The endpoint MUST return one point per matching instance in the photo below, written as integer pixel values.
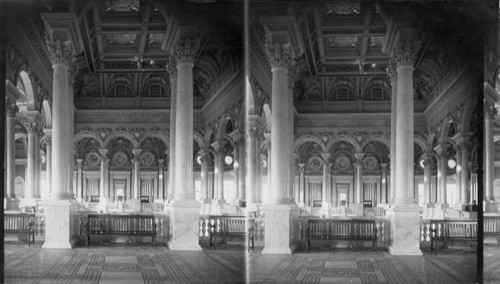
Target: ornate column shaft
(185, 54)
(280, 59)
(219, 169)
(427, 178)
(442, 174)
(268, 146)
(103, 193)
(326, 179)
(458, 168)
(48, 163)
(61, 55)
(252, 163)
(404, 56)
(72, 72)
(489, 117)
(204, 159)
(137, 177)
(359, 177)
(393, 75)
(79, 193)
(242, 169)
(172, 74)
(383, 186)
(236, 168)
(10, 151)
(33, 128)
(161, 177)
(464, 163)
(258, 169)
(301, 184)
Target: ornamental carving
(405, 52)
(120, 158)
(278, 55)
(186, 50)
(11, 109)
(370, 163)
(147, 159)
(315, 163)
(342, 163)
(60, 52)
(93, 159)
(171, 67)
(86, 86)
(391, 70)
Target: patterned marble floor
(492, 265)
(144, 264)
(122, 264)
(350, 266)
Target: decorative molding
(186, 50)
(60, 52)
(405, 53)
(279, 55)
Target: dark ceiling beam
(87, 44)
(365, 40)
(143, 37)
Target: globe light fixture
(198, 160)
(228, 160)
(452, 164)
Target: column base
(358, 208)
(281, 235)
(11, 204)
(184, 225)
(405, 230)
(491, 207)
(59, 232)
(136, 205)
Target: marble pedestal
(491, 207)
(11, 204)
(136, 203)
(184, 225)
(358, 207)
(281, 234)
(58, 227)
(405, 230)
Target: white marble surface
(405, 231)
(58, 224)
(280, 238)
(184, 226)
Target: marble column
(428, 162)
(184, 212)
(219, 171)
(32, 165)
(79, 178)
(464, 164)
(10, 152)
(405, 219)
(242, 168)
(383, 185)
(458, 168)
(301, 185)
(326, 180)
(442, 174)
(236, 167)
(136, 178)
(38, 164)
(204, 159)
(48, 163)
(103, 188)
(489, 172)
(359, 183)
(251, 184)
(59, 209)
(172, 74)
(161, 176)
(267, 136)
(393, 75)
(279, 213)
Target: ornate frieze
(489, 111)
(60, 52)
(186, 50)
(391, 70)
(171, 67)
(405, 53)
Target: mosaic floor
(492, 265)
(144, 264)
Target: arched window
(342, 94)
(377, 94)
(120, 90)
(154, 90)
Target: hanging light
(452, 164)
(198, 159)
(228, 160)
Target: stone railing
(152, 207)
(374, 212)
(39, 226)
(425, 233)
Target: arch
(422, 143)
(250, 96)
(379, 138)
(47, 113)
(88, 134)
(445, 128)
(198, 138)
(163, 137)
(20, 135)
(344, 138)
(467, 113)
(126, 135)
(308, 138)
(266, 112)
(28, 89)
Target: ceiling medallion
(121, 39)
(121, 5)
(344, 7)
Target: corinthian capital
(186, 50)
(60, 52)
(279, 55)
(11, 109)
(171, 67)
(405, 53)
(391, 70)
(73, 70)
